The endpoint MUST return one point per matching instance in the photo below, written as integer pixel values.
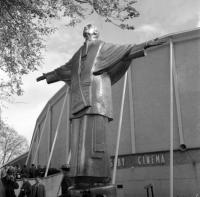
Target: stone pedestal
(99, 191)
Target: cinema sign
(154, 159)
(140, 160)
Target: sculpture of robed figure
(90, 73)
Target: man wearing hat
(66, 181)
(10, 183)
(25, 190)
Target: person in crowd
(10, 183)
(14, 170)
(38, 171)
(18, 171)
(42, 171)
(2, 190)
(25, 190)
(32, 171)
(3, 172)
(25, 171)
(38, 189)
(66, 182)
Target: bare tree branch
(81, 1)
(11, 143)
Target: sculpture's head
(90, 32)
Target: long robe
(90, 74)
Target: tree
(24, 23)
(12, 144)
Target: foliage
(24, 23)
(12, 144)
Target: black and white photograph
(99, 98)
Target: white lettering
(139, 160)
(162, 159)
(118, 162)
(143, 159)
(148, 159)
(152, 159)
(123, 161)
(157, 159)
(112, 163)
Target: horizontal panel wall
(151, 92)
(125, 139)
(43, 152)
(61, 148)
(187, 55)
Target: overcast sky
(157, 18)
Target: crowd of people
(8, 183)
(28, 172)
(10, 174)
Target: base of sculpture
(98, 191)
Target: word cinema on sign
(140, 160)
(154, 159)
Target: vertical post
(171, 117)
(49, 133)
(56, 133)
(132, 121)
(119, 129)
(147, 192)
(42, 131)
(178, 107)
(31, 146)
(68, 156)
(152, 194)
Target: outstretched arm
(62, 73)
(138, 51)
(41, 77)
(50, 77)
(115, 59)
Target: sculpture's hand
(152, 43)
(41, 77)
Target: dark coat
(25, 190)
(2, 190)
(65, 184)
(25, 171)
(10, 185)
(32, 172)
(38, 190)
